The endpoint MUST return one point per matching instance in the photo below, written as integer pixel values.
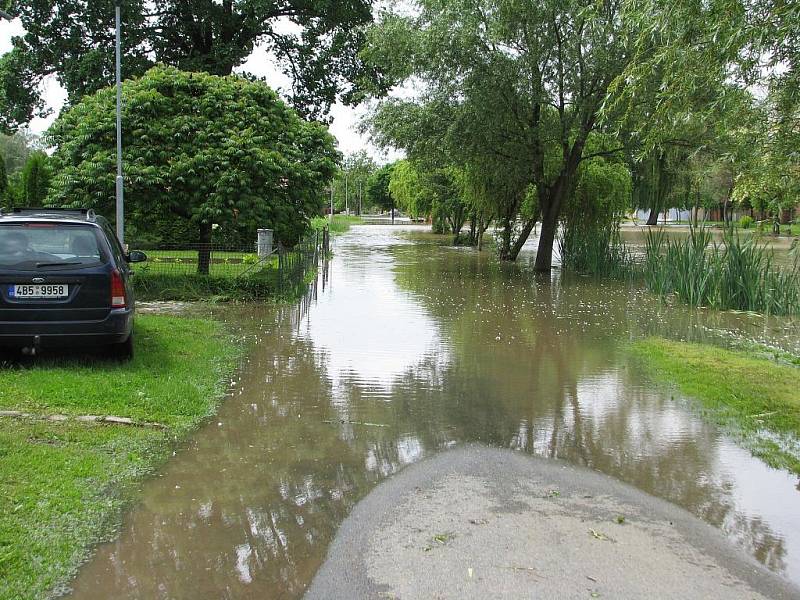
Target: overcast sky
(345, 119)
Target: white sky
(345, 119)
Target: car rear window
(42, 246)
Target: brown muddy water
(405, 347)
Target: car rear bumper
(115, 328)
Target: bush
(746, 222)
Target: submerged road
(406, 348)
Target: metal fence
(284, 267)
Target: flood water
(403, 348)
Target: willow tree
(199, 148)
(315, 42)
(526, 80)
(407, 187)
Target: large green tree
(200, 148)
(407, 187)
(697, 61)
(316, 43)
(525, 80)
(437, 193)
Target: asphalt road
(476, 522)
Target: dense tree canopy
(199, 148)
(378, 188)
(515, 83)
(407, 187)
(315, 41)
(511, 91)
(730, 69)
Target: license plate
(54, 290)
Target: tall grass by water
(595, 250)
(339, 223)
(737, 274)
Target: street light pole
(120, 196)
(346, 207)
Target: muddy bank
(484, 523)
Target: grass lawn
(340, 223)
(183, 262)
(62, 484)
(751, 392)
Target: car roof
(72, 216)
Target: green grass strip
(63, 485)
(340, 223)
(751, 393)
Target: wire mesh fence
(198, 270)
(205, 259)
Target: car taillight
(117, 290)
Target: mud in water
(404, 347)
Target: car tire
(124, 350)
(7, 357)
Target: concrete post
(264, 243)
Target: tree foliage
(515, 84)
(731, 68)
(350, 183)
(4, 187)
(16, 148)
(36, 177)
(406, 185)
(378, 188)
(199, 148)
(316, 43)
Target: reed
(737, 274)
(595, 250)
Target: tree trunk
(473, 229)
(652, 219)
(523, 237)
(204, 249)
(482, 227)
(547, 236)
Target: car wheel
(123, 350)
(7, 357)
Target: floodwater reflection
(409, 348)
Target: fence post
(264, 243)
